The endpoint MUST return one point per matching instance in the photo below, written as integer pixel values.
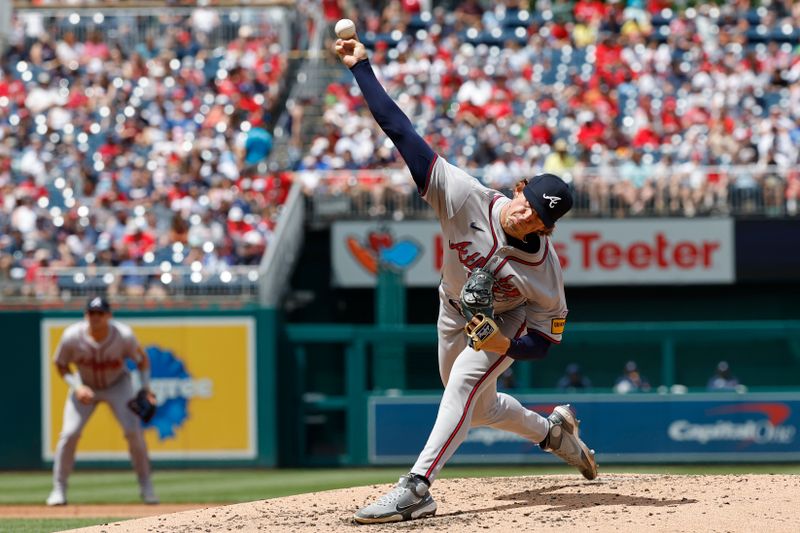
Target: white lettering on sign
(758, 431)
(171, 388)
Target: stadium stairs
(310, 81)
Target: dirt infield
(613, 503)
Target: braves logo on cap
(98, 303)
(553, 200)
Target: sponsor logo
(474, 226)
(768, 429)
(557, 325)
(485, 331)
(174, 387)
(381, 247)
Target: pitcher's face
(519, 218)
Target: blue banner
(621, 428)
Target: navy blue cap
(98, 303)
(549, 196)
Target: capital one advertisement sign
(690, 427)
(592, 252)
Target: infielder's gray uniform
(102, 368)
(529, 294)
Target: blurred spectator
(559, 161)
(724, 380)
(631, 380)
(573, 379)
(257, 146)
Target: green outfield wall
(303, 389)
(336, 374)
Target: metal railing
(155, 284)
(131, 22)
(284, 249)
(676, 191)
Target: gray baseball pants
(76, 415)
(470, 396)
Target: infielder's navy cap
(549, 195)
(98, 303)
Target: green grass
(41, 525)
(231, 486)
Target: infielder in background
(98, 346)
(498, 256)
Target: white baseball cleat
(409, 499)
(148, 494)
(563, 440)
(57, 497)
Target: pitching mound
(613, 503)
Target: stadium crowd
(140, 140)
(647, 109)
(136, 141)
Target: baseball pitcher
(501, 299)
(98, 347)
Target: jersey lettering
(504, 289)
(469, 260)
(99, 365)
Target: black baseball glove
(476, 294)
(143, 404)
(477, 302)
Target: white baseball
(345, 29)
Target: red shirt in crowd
(139, 243)
(588, 9)
(646, 137)
(540, 134)
(591, 133)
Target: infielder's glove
(477, 302)
(143, 404)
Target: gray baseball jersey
(470, 218)
(100, 364)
